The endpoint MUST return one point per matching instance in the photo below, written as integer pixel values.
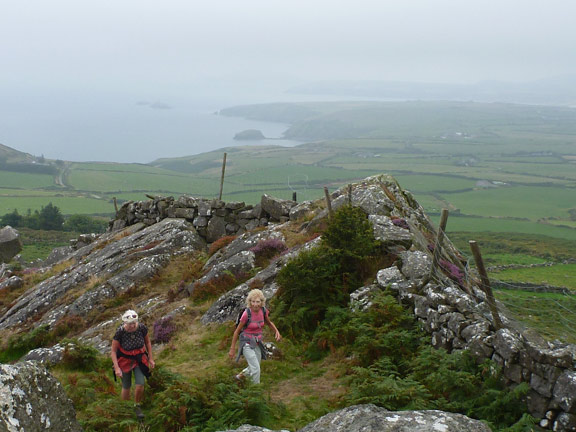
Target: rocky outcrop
(226, 308)
(370, 418)
(104, 269)
(13, 282)
(455, 313)
(33, 400)
(145, 236)
(10, 244)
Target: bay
(124, 129)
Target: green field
(496, 167)
(560, 275)
(531, 203)
(551, 315)
(10, 179)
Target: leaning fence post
(222, 178)
(486, 284)
(349, 194)
(438, 244)
(328, 202)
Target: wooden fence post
(349, 194)
(438, 244)
(294, 196)
(222, 178)
(486, 284)
(328, 202)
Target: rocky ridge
(147, 235)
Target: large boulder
(275, 207)
(33, 400)
(370, 418)
(10, 244)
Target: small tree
(50, 218)
(13, 219)
(84, 224)
(326, 275)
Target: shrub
(386, 328)
(211, 404)
(66, 325)
(220, 243)
(269, 247)
(400, 222)
(79, 356)
(164, 329)
(325, 276)
(218, 285)
(349, 230)
(453, 271)
(309, 284)
(20, 344)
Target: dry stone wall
(212, 218)
(456, 319)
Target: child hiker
(132, 352)
(249, 331)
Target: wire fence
(549, 308)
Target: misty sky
(79, 71)
(145, 43)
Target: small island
(250, 135)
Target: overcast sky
(77, 77)
(152, 43)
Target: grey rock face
(370, 418)
(13, 282)
(52, 355)
(393, 278)
(565, 422)
(58, 254)
(276, 208)
(416, 264)
(243, 262)
(388, 233)
(228, 305)
(108, 268)
(301, 210)
(361, 299)
(565, 391)
(243, 243)
(249, 428)
(33, 400)
(10, 244)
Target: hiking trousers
(253, 357)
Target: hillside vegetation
(333, 356)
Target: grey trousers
(253, 357)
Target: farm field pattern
(496, 167)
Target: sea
(126, 127)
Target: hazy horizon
(72, 69)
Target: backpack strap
(249, 313)
(249, 316)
